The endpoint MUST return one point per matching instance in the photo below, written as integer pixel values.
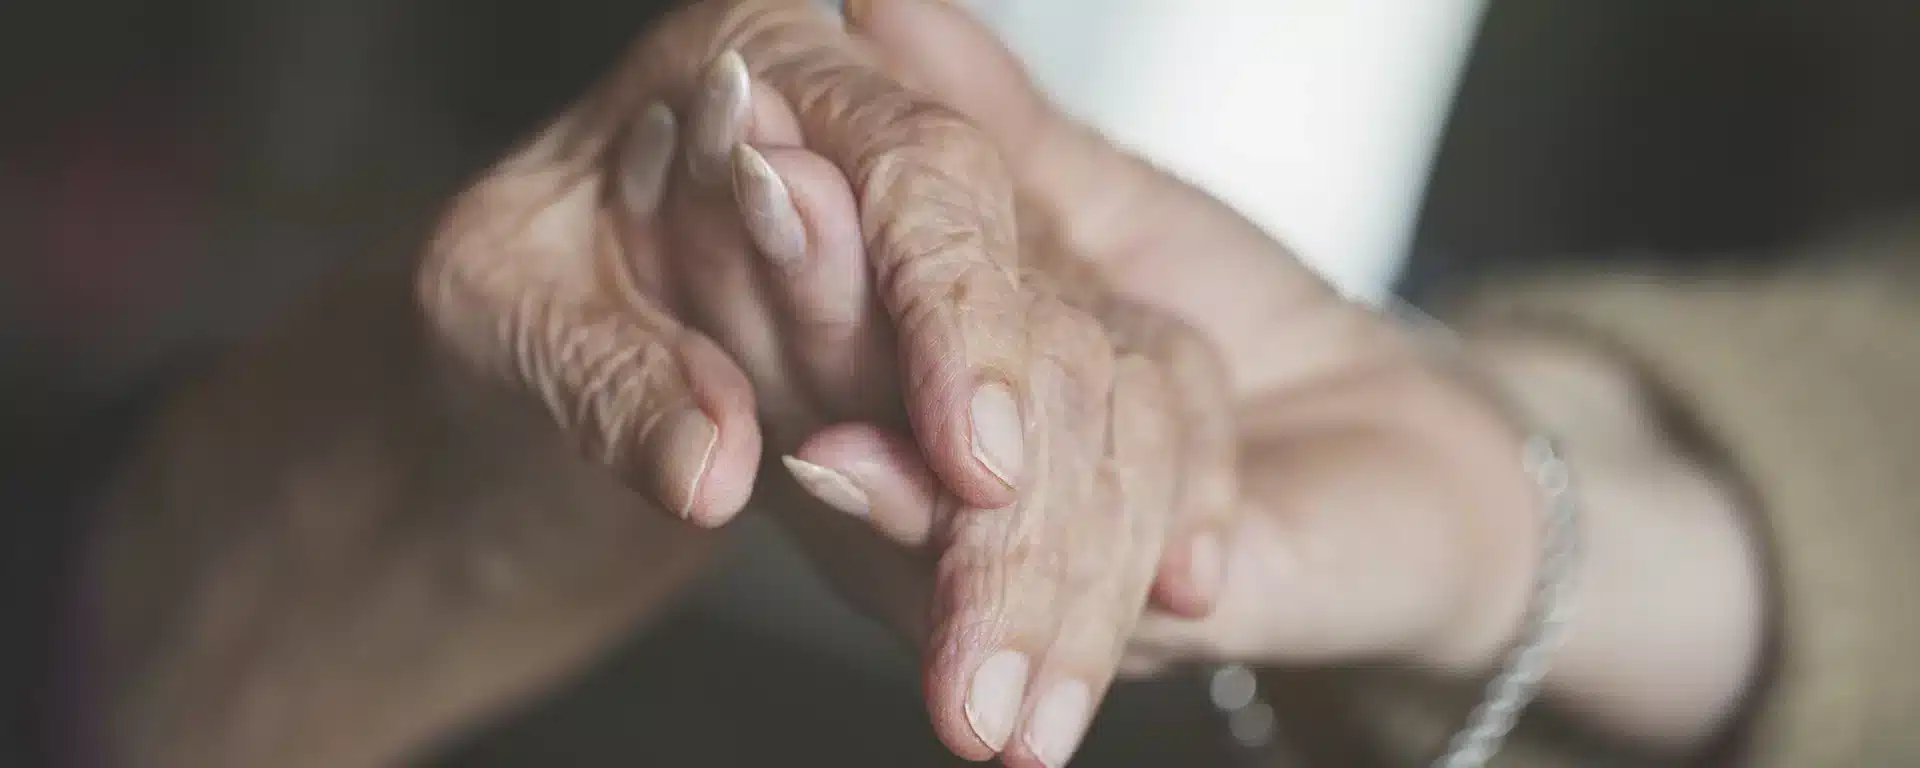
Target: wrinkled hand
(605, 270)
(1022, 610)
(551, 272)
(1383, 511)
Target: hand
(636, 308)
(1038, 597)
(550, 274)
(1384, 512)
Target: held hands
(751, 237)
(753, 232)
(1383, 512)
(1023, 610)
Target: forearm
(337, 548)
(1669, 620)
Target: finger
(1140, 666)
(801, 214)
(1352, 555)
(1109, 206)
(731, 108)
(660, 405)
(935, 206)
(1005, 581)
(712, 256)
(1131, 512)
(635, 389)
(874, 475)
(708, 483)
(1193, 568)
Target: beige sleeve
(1809, 382)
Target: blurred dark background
(174, 172)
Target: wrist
(1669, 593)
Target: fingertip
(682, 448)
(829, 486)
(1135, 666)
(978, 464)
(726, 477)
(975, 697)
(1190, 576)
(1059, 721)
(767, 208)
(901, 498)
(997, 432)
(717, 456)
(831, 218)
(979, 452)
(646, 159)
(720, 117)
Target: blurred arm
(338, 548)
(1667, 634)
(1801, 385)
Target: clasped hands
(999, 378)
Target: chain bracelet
(1235, 691)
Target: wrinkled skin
(626, 270)
(1382, 513)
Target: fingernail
(1205, 564)
(647, 159)
(687, 441)
(830, 487)
(999, 439)
(1058, 721)
(727, 94)
(994, 700)
(768, 207)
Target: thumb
(521, 285)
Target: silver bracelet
(1235, 690)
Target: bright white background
(1317, 119)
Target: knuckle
(933, 265)
(597, 380)
(928, 178)
(931, 258)
(614, 393)
(939, 296)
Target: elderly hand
(1043, 594)
(1384, 512)
(551, 273)
(671, 307)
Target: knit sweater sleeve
(1808, 383)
